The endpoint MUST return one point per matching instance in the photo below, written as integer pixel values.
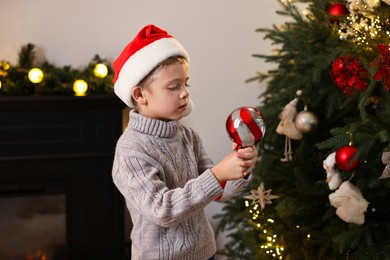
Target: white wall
(219, 36)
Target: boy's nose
(184, 93)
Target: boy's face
(167, 96)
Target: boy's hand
(249, 157)
(236, 165)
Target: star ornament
(261, 196)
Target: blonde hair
(153, 74)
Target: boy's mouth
(183, 106)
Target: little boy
(160, 166)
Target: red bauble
(336, 11)
(245, 126)
(344, 157)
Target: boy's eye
(175, 86)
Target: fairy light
(272, 242)
(80, 87)
(100, 70)
(35, 75)
(361, 26)
(4, 67)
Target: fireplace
(37, 224)
(57, 198)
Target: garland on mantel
(31, 77)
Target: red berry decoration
(344, 157)
(336, 11)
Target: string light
(35, 75)
(100, 70)
(361, 26)
(4, 66)
(80, 87)
(272, 245)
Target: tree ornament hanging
(306, 121)
(347, 199)
(293, 125)
(345, 156)
(333, 177)
(261, 196)
(349, 202)
(336, 11)
(287, 127)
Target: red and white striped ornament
(245, 126)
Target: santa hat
(151, 46)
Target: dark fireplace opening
(57, 197)
(33, 220)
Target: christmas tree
(321, 187)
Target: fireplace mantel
(65, 144)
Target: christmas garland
(30, 77)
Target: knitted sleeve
(230, 188)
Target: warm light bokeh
(100, 70)
(80, 87)
(35, 75)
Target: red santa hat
(151, 46)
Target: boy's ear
(138, 96)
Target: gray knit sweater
(164, 175)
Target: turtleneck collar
(150, 126)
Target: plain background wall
(219, 36)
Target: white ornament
(287, 127)
(333, 177)
(349, 203)
(261, 196)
